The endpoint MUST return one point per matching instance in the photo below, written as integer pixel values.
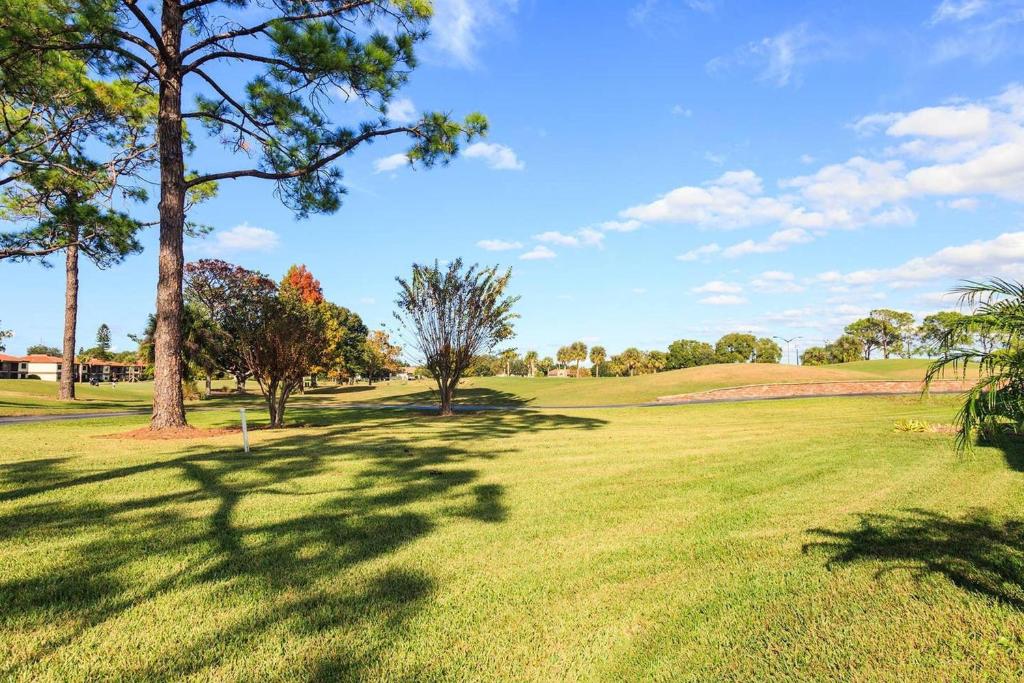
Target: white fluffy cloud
(950, 151)
(390, 162)
(776, 282)
(718, 287)
(699, 252)
(538, 253)
(584, 237)
(777, 241)
(1001, 255)
(724, 300)
(496, 156)
(498, 245)
(244, 237)
(402, 110)
(620, 226)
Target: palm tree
(995, 404)
(597, 356)
(531, 360)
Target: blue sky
(655, 169)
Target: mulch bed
(147, 434)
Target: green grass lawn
(757, 541)
(29, 397)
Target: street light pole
(788, 341)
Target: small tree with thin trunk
(283, 339)
(598, 355)
(453, 314)
(4, 334)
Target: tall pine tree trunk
(168, 401)
(67, 365)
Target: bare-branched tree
(453, 314)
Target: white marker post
(245, 431)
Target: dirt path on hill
(755, 392)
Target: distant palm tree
(597, 356)
(995, 404)
(531, 360)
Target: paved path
(684, 399)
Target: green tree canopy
(688, 353)
(766, 351)
(735, 347)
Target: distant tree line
(735, 347)
(892, 333)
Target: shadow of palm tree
(397, 488)
(978, 552)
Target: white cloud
(954, 151)
(620, 226)
(458, 26)
(584, 237)
(718, 287)
(680, 110)
(244, 237)
(402, 110)
(496, 156)
(716, 159)
(1002, 255)
(957, 10)
(498, 245)
(776, 282)
(368, 300)
(779, 57)
(699, 252)
(943, 122)
(724, 300)
(807, 159)
(963, 204)
(777, 241)
(638, 290)
(539, 252)
(390, 162)
(559, 238)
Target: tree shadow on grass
(279, 549)
(978, 552)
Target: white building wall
(45, 371)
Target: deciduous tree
(453, 314)
(42, 349)
(380, 355)
(4, 334)
(688, 353)
(225, 293)
(283, 339)
(735, 347)
(766, 351)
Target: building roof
(4, 358)
(40, 358)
